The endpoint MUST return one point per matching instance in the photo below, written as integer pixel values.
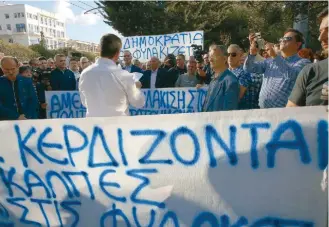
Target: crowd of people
(276, 76)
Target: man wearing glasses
(280, 71)
(311, 88)
(249, 89)
(84, 63)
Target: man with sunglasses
(311, 87)
(280, 71)
(249, 87)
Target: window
(41, 20)
(0, 28)
(20, 28)
(36, 28)
(46, 21)
(62, 34)
(22, 15)
(8, 27)
(36, 17)
(15, 15)
(7, 16)
(18, 15)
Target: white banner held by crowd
(260, 168)
(144, 47)
(67, 104)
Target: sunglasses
(285, 39)
(232, 54)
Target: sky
(85, 27)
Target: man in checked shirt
(280, 71)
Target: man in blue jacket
(128, 64)
(18, 98)
(223, 91)
(62, 79)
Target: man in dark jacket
(156, 77)
(62, 79)
(172, 73)
(180, 64)
(18, 99)
(128, 64)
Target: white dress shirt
(153, 78)
(107, 90)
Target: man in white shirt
(106, 89)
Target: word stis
(99, 143)
(116, 217)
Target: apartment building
(83, 46)
(21, 23)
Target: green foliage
(22, 53)
(222, 21)
(135, 17)
(42, 51)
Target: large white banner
(144, 47)
(67, 104)
(260, 168)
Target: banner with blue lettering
(144, 47)
(258, 168)
(67, 104)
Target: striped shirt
(279, 78)
(253, 84)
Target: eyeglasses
(232, 54)
(285, 39)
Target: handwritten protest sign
(260, 168)
(144, 47)
(67, 104)
(64, 104)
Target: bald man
(156, 77)
(18, 98)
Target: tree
(22, 53)
(135, 17)
(43, 40)
(42, 51)
(222, 21)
